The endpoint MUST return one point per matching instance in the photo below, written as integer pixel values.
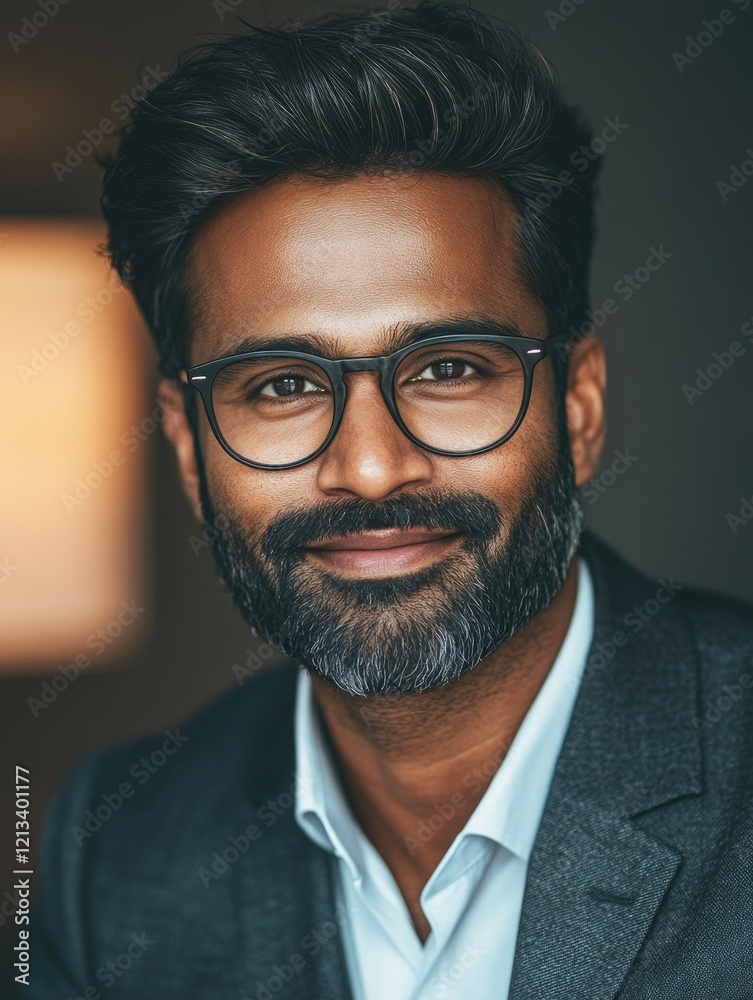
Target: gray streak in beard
(368, 637)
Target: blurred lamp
(73, 447)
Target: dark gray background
(666, 513)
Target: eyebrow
(400, 334)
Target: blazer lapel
(288, 928)
(595, 879)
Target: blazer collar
(595, 879)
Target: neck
(407, 758)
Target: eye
(288, 385)
(445, 369)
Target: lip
(387, 538)
(384, 552)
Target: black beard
(407, 633)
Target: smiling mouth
(383, 553)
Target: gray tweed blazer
(199, 884)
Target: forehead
(346, 259)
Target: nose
(370, 457)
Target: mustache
(468, 512)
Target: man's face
(347, 261)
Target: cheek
(539, 434)
(252, 498)
(507, 474)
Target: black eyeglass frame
(529, 350)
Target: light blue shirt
(474, 897)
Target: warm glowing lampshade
(71, 466)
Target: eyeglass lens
(456, 397)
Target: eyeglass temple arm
(559, 340)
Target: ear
(170, 394)
(586, 414)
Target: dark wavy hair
(437, 86)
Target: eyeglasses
(452, 395)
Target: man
(498, 762)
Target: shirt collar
(321, 809)
(510, 810)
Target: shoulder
(684, 632)
(235, 720)
(722, 626)
(722, 634)
(231, 744)
(127, 836)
